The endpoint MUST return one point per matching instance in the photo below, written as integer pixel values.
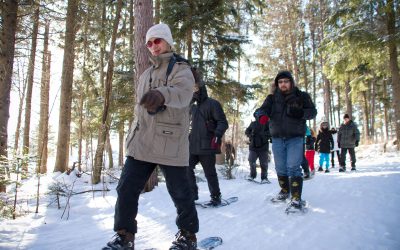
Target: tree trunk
(7, 42)
(143, 21)
(157, 9)
(121, 135)
(189, 38)
(365, 116)
(386, 113)
(372, 108)
(104, 129)
(394, 67)
(64, 121)
(20, 108)
(44, 105)
(109, 152)
(347, 94)
(28, 102)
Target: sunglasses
(156, 41)
(283, 81)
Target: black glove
(153, 101)
(294, 106)
(356, 143)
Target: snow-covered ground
(352, 210)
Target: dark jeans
(131, 183)
(343, 157)
(333, 157)
(208, 164)
(263, 158)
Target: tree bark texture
(7, 48)
(28, 101)
(44, 105)
(394, 67)
(143, 21)
(64, 123)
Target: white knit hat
(160, 30)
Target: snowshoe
(327, 171)
(342, 169)
(184, 240)
(353, 169)
(320, 169)
(280, 197)
(296, 206)
(265, 181)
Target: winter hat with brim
(160, 30)
(284, 74)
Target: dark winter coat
(207, 120)
(259, 136)
(324, 142)
(310, 141)
(282, 122)
(348, 135)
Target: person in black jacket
(208, 125)
(324, 145)
(259, 137)
(348, 139)
(288, 109)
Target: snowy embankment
(352, 210)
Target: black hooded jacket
(259, 136)
(207, 120)
(276, 106)
(324, 142)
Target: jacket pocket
(167, 139)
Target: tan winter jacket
(163, 138)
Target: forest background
(77, 62)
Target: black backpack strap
(171, 64)
(174, 58)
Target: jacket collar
(157, 61)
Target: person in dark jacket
(323, 145)
(348, 139)
(288, 109)
(258, 133)
(208, 126)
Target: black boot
(123, 240)
(284, 193)
(296, 187)
(215, 200)
(184, 240)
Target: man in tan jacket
(158, 136)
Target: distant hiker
(348, 139)
(158, 136)
(230, 154)
(310, 149)
(208, 126)
(288, 109)
(323, 145)
(336, 148)
(258, 133)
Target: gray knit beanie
(160, 30)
